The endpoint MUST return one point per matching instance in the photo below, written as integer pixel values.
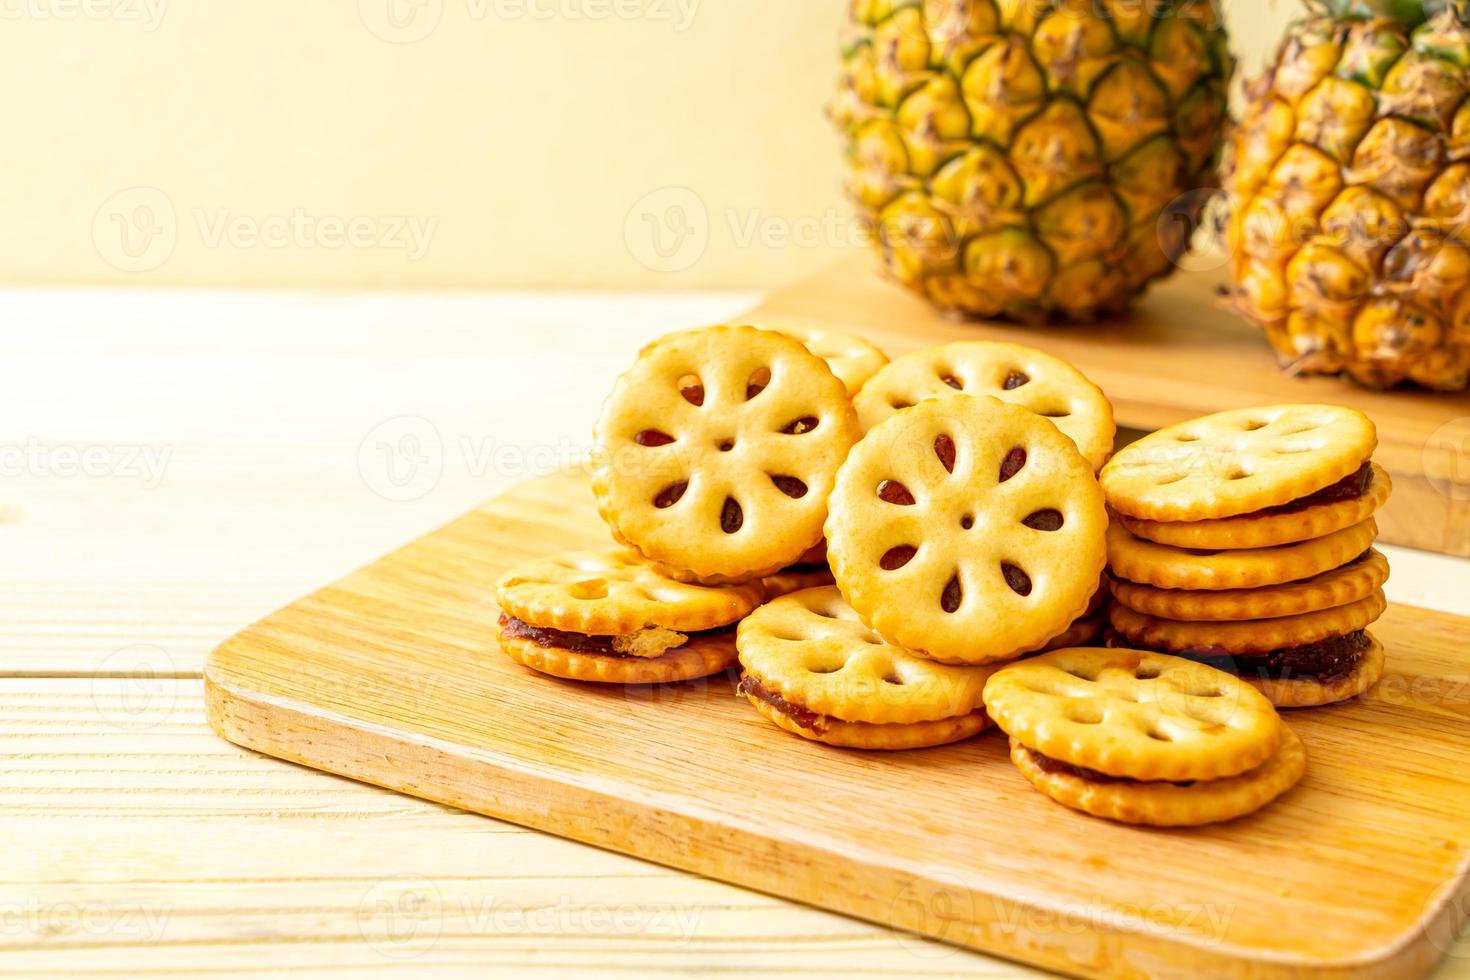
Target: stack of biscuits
(1243, 540)
(902, 555)
(718, 457)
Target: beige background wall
(638, 143)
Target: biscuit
(1137, 560)
(853, 359)
(967, 530)
(1134, 714)
(811, 649)
(1237, 462)
(1245, 636)
(1020, 375)
(703, 655)
(1312, 692)
(795, 578)
(716, 452)
(1169, 804)
(1272, 526)
(1082, 632)
(1339, 586)
(610, 591)
(879, 738)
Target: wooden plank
(391, 676)
(1178, 355)
(135, 841)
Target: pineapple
(1031, 158)
(1348, 182)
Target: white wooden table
(175, 465)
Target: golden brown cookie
(1137, 560)
(1245, 636)
(703, 655)
(715, 453)
(967, 530)
(877, 738)
(809, 658)
(853, 359)
(795, 578)
(1339, 586)
(1168, 804)
(611, 591)
(1082, 632)
(1237, 462)
(1020, 375)
(1273, 526)
(1134, 714)
(1311, 692)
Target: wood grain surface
(1177, 356)
(391, 676)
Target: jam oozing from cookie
(1325, 661)
(1350, 487)
(1047, 764)
(580, 642)
(798, 713)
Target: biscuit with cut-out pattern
(1134, 714)
(1237, 462)
(1024, 376)
(715, 453)
(967, 530)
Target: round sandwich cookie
(1143, 738)
(811, 667)
(1351, 500)
(1085, 630)
(1358, 579)
(796, 577)
(715, 453)
(967, 530)
(853, 359)
(1237, 462)
(1244, 636)
(1307, 675)
(1046, 385)
(1147, 562)
(608, 616)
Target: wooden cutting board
(1179, 356)
(392, 676)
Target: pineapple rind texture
(1348, 183)
(1031, 159)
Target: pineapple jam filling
(1047, 764)
(797, 712)
(652, 641)
(1350, 487)
(1326, 660)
